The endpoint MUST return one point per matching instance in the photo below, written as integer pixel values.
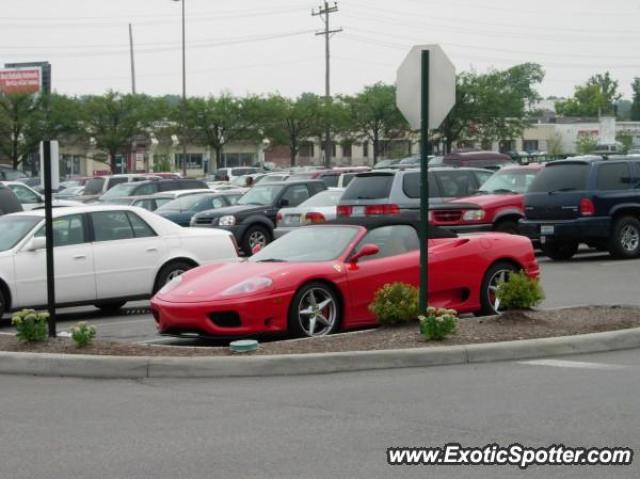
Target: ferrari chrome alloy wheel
(629, 238)
(257, 238)
(498, 277)
(317, 312)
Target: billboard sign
(20, 80)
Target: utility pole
(324, 12)
(133, 63)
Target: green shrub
(30, 325)
(438, 323)
(395, 303)
(82, 334)
(519, 292)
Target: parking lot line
(558, 363)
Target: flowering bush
(438, 323)
(30, 325)
(395, 303)
(519, 292)
(82, 334)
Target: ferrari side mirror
(368, 249)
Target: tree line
(491, 106)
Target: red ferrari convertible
(321, 278)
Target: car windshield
(324, 198)
(14, 228)
(123, 189)
(308, 244)
(509, 181)
(187, 203)
(239, 181)
(261, 195)
(94, 186)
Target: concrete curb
(118, 367)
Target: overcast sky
(255, 46)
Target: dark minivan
(585, 200)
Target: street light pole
(184, 95)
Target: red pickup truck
(500, 200)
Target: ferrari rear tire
(314, 311)
(560, 250)
(497, 273)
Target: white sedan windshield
(14, 228)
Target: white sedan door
(127, 253)
(73, 265)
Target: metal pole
(424, 181)
(133, 65)
(184, 97)
(327, 86)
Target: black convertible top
(409, 219)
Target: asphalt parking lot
(589, 278)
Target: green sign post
(425, 93)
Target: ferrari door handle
(80, 256)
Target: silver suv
(383, 192)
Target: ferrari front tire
(497, 273)
(314, 311)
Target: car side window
(613, 176)
(296, 194)
(147, 189)
(67, 231)
(140, 227)
(483, 176)
(25, 195)
(111, 226)
(392, 241)
(147, 204)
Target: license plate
(546, 230)
(543, 239)
(357, 211)
(292, 219)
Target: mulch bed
(507, 327)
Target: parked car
(253, 218)
(498, 204)
(9, 174)
(329, 177)
(151, 187)
(154, 201)
(228, 174)
(477, 158)
(182, 209)
(104, 255)
(98, 185)
(381, 192)
(69, 193)
(585, 200)
(305, 285)
(9, 202)
(31, 199)
(273, 177)
(317, 209)
(383, 164)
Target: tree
(635, 106)
(375, 116)
(626, 139)
(554, 145)
(586, 144)
(290, 122)
(597, 96)
(494, 105)
(216, 121)
(18, 114)
(114, 120)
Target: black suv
(253, 218)
(139, 188)
(585, 200)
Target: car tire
(255, 234)
(307, 317)
(507, 226)
(560, 250)
(625, 238)
(499, 271)
(3, 303)
(110, 307)
(170, 271)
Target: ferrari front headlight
(248, 286)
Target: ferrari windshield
(14, 228)
(308, 244)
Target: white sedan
(104, 255)
(31, 199)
